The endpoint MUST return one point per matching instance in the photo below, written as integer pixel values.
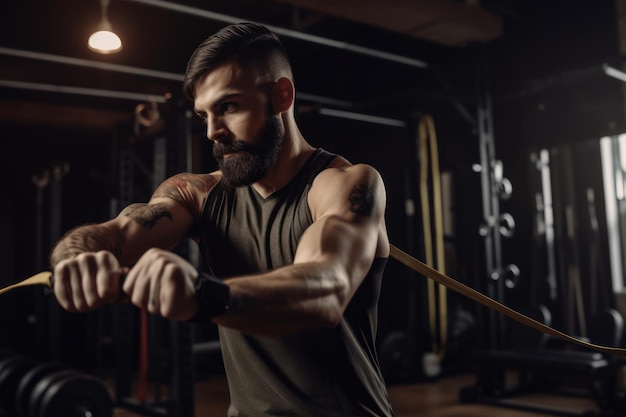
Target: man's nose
(216, 129)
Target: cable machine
(495, 187)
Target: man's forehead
(224, 74)
(222, 79)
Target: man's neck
(290, 161)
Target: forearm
(85, 238)
(331, 261)
(287, 300)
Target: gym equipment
(396, 358)
(494, 186)
(11, 370)
(541, 367)
(29, 388)
(461, 288)
(28, 381)
(433, 236)
(68, 393)
(42, 278)
(39, 389)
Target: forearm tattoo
(82, 239)
(362, 200)
(147, 215)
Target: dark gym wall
(550, 92)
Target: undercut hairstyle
(251, 44)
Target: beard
(253, 160)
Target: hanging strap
(428, 142)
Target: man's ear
(283, 95)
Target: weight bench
(542, 369)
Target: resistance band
(480, 298)
(45, 278)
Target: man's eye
(202, 117)
(227, 107)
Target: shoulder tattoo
(362, 199)
(147, 215)
(183, 188)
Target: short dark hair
(247, 42)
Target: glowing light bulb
(105, 42)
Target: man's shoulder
(197, 182)
(342, 177)
(347, 171)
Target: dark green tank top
(328, 372)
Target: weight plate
(11, 371)
(41, 387)
(397, 355)
(76, 394)
(28, 381)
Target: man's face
(244, 162)
(246, 134)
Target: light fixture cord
(104, 5)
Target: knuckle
(107, 292)
(152, 308)
(92, 300)
(167, 310)
(65, 304)
(80, 305)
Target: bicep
(345, 233)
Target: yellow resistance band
(472, 294)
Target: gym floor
(434, 399)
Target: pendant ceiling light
(104, 40)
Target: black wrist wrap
(212, 296)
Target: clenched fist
(87, 281)
(164, 284)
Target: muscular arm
(162, 222)
(332, 258)
(88, 260)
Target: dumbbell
(12, 368)
(29, 380)
(72, 394)
(30, 388)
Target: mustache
(222, 148)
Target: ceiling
(48, 75)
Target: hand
(164, 284)
(87, 281)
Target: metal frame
(207, 14)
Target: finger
(154, 296)
(168, 294)
(177, 293)
(89, 284)
(107, 278)
(121, 279)
(62, 288)
(138, 288)
(79, 274)
(129, 282)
